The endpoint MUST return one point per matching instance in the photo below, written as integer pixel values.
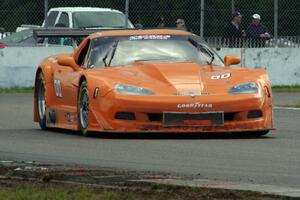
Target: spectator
(180, 24)
(161, 22)
(2, 30)
(257, 33)
(233, 33)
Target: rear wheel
(83, 108)
(41, 101)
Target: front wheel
(83, 108)
(41, 101)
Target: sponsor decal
(223, 76)
(71, 118)
(195, 105)
(150, 37)
(192, 94)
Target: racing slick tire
(83, 108)
(41, 101)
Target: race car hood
(179, 78)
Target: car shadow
(179, 136)
(161, 136)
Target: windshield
(120, 51)
(99, 19)
(17, 37)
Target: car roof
(84, 9)
(139, 32)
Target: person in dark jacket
(257, 33)
(161, 22)
(233, 33)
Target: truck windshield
(99, 19)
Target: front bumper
(148, 112)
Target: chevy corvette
(156, 80)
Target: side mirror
(232, 60)
(67, 61)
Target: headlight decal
(132, 90)
(244, 88)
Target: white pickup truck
(82, 17)
(86, 17)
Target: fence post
(276, 21)
(126, 12)
(45, 8)
(202, 19)
(232, 6)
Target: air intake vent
(254, 114)
(125, 115)
(229, 116)
(155, 117)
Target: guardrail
(220, 42)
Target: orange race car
(150, 81)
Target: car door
(66, 81)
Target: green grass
(36, 192)
(16, 90)
(50, 191)
(283, 88)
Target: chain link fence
(206, 18)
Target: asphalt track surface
(272, 160)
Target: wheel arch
(82, 78)
(37, 73)
(35, 115)
(46, 70)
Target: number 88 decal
(223, 76)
